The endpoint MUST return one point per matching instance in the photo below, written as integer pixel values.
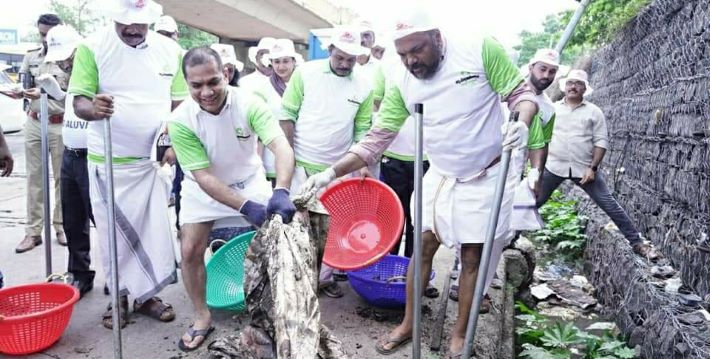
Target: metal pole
(47, 220)
(487, 249)
(418, 174)
(571, 25)
(110, 205)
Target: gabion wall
(652, 83)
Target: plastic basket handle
(209, 248)
(63, 277)
(398, 277)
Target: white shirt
(462, 111)
(73, 128)
(142, 80)
(329, 112)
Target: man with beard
(577, 149)
(131, 76)
(327, 106)
(215, 134)
(33, 66)
(460, 82)
(74, 179)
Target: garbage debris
(610, 326)
(663, 271)
(673, 284)
(569, 294)
(541, 292)
(691, 300)
(552, 272)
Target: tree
(191, 37)
(600, 22)
(78, 14)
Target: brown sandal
(156, 309)
(107, 317)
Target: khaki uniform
(34, 65)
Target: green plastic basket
(225, 274)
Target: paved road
(145, 338)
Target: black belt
(78, 152)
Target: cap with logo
(284, 48)
(166, 23)
(135, 11)
(578, 75)
(412, 21)
(61, 42)
(348, 40)
(548, 56)
(264, 44)
(228, 55)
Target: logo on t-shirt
(166, 72)
(467, 78)
(241, 134)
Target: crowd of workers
(242, 145)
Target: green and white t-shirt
(142, 80)
(225, 143)
(462, 111)
(546, 113)
(330, 112)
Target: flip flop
(193, 333)
(398, 343)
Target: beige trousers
(33, 164)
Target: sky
(504, 19)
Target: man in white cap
(74, 179)
(167, 27)
(229, 58)
(459, 81)
(578, 146)
(131, 76)
(327, 107)
(33, 66)
(215, 135)
(256, 56)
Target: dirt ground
(350, 318)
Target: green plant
(541, 338)
(564, 230)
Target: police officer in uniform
(32, 67)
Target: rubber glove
(51, 86)
(516, 135)
(255, 212)
(281, 204)
(318, 181)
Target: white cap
(283, 48)
(411, 21)
(579, 75)
(135, 11)
(548, 56)
(166, 23)
(264, 44)
(61, 42)
(228, 55)
(348, 40)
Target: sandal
(646, 251)
(485, 304)
(107, 317)
(194, 333)
(332, 290)
(156, 309)
(398, 343)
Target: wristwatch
(594, 168)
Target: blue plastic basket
(382, 284)
(225, 275)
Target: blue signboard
(314, 48)
(8, 37)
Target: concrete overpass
(250, 20)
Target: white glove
(516, 135)
(318, 181)
(533, 177)
(51, 86)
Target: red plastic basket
(366, 221)
(34, 316)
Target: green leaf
(561, 337)
(611, 345)
(625, 352)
